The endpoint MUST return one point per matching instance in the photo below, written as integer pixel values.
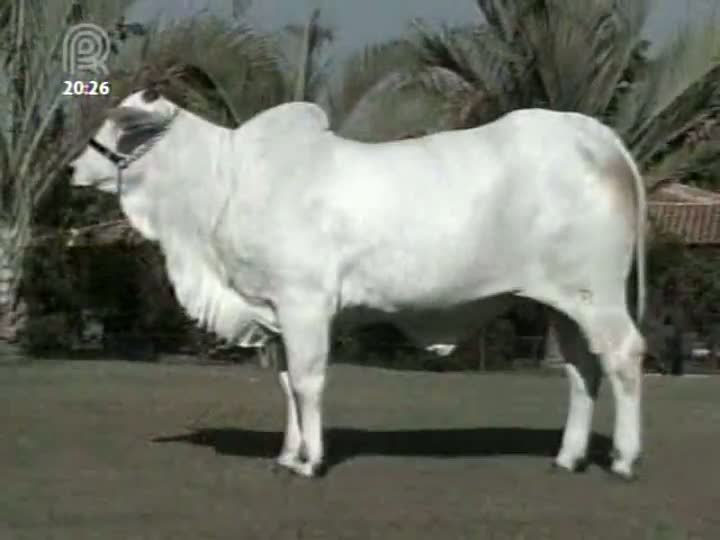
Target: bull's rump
(466, 214)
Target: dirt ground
(113, 450)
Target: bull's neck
(181, 183)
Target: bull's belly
(425, 327)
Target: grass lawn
(115, 450)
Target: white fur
(285, 224)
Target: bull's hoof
(281, 470)
(285, 464)
(622, 471)
(292, 465)
(577, 465)
(310, 470)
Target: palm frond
(698, 103)
(238, 62)
(368, 73)
(303, 55)
(685, 162)
(445, 49)
(588, 57)
(689, 58)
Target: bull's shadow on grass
(344, 444)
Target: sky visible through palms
(362, 22)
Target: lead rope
(118, 182)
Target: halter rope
(123, 161)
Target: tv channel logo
(86, 48)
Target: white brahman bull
(284, 224)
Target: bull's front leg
(305, 330)
(290, 455)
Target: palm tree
(222, 69)
(375, 96)
(33, 113)
(588, 57)
(303, 51)
(226, 70)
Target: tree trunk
(11, 311)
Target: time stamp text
(86, 88)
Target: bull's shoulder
(288, 118)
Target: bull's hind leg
(614, 336)
(584, 377)
(622, 362)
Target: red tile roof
(676, 192)
(691, 222)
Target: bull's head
(124, 135)
(113, 160)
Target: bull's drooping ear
(130, 118)
(136, 127)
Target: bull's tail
(641, 225)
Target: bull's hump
(287, 118)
